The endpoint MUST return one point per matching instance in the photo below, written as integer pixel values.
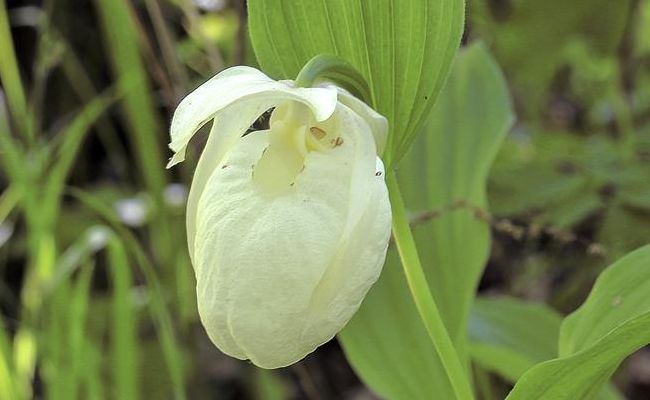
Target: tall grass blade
(123, 325)
(121, 40)
(161, 317)
(10, 75)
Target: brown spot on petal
(337, 142)
(317, 132)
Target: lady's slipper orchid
(287, 227)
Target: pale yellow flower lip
(287, 227)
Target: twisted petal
(240, 85)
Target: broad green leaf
(462, 136)
(613, 322)
(620, 294)
(404, 49)
(509, 336)
(386, 342)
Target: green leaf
(461, 139)
(386, 342)
(620, 294)
(404, 49)
(509, 336)
(613, 322)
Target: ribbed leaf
(404, 49)
(464, 133)
(386, 341)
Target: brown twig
(509, 228)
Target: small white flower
(287, 227)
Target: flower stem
(424, 301)
(336, 70)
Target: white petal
(225, 131)
(278, 276)
(235, 85)
(377, 122)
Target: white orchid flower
(287, 227)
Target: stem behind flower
(338, 71)
(422, 297)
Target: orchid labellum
(288, 226)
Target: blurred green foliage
(574, 172)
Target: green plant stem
(337, 70)
(422, 297)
